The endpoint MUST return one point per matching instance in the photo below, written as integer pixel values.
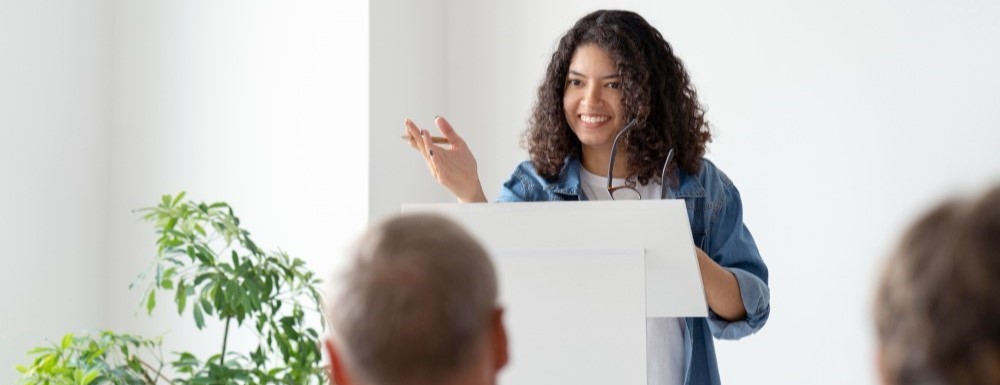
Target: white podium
(579, 279)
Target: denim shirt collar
(568, 182)
(690, 186)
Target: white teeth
(594, 119)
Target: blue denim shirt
(716, 215)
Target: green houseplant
(210, 267)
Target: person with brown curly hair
(937, 314)
(614, 87)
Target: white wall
(409, 69)
(54, 138)
(259, 103)
(838, 122)
(497, 55)
(106, 105)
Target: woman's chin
(595, 141)
(596, 136)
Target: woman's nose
(592, 95)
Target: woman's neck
(596, 161)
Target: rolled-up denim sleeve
(520, 187)
(732, 246)
(513, 190)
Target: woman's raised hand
(454, 168)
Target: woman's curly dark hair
(656, 91)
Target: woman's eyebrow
(612, 76)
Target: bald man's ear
(883, 374)
(338, 374)
(499, 336)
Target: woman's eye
(575, 82)
(614, 85)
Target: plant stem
(149, 380)
(225, 337)
(158, 375)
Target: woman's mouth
(594, 120)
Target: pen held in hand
(434, 139)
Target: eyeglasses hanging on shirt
(628, 191)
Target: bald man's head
(416, 304)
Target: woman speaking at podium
(617, 118)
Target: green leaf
(67, 341)
(159, 275)
(78, 376)
(170, 224)
(253, 291)
(39, 350)
(218, 298)
(168, 274)
(181, 297)
(199, 319)
(204, 254)
(203, 276)
(89, 376)
(207, 306)
(276, 307)
(133, 363)
(151, 302)
(171, 243)
(178, 198)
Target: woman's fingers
(419, 139)
(429, 146)
(453, 166)
(414, 133)
(449, 132)
(435, 155)
(411, 131)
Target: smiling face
(593, 99)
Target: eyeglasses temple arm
(665, 191)
(614, 150)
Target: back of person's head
(656, 92)
(937, 309)
(416, 304)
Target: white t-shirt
(664, 336)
